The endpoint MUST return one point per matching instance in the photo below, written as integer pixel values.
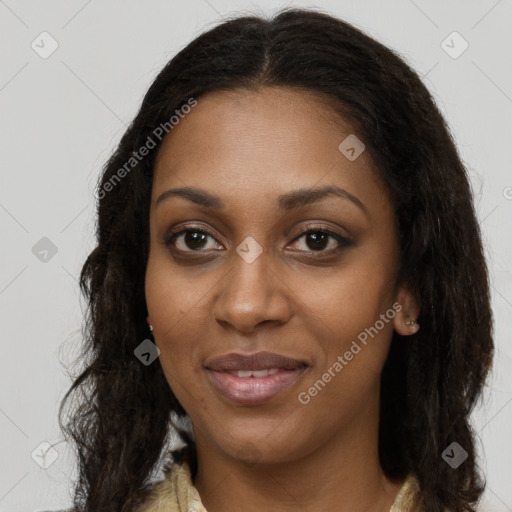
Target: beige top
(176, 493)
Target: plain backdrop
(63, 114)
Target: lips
(260, 361)
(253, 379)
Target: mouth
(253, 379)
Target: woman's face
(254, 168)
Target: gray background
(62, 116)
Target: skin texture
(248, 147)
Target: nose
(251, 294)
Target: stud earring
(149, 324)
(414, 325)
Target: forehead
(254, 145)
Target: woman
(288, 219)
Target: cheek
(173, 297)
(350, 300)
(179, 305)
(344, 381)
(347, 308)
(162, 293)
(170, 306)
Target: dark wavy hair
(124, 412)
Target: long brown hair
(122, 411)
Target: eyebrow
(289, 201)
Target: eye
(317, 239)
(191, 238)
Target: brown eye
(317, 240)
(190, 239)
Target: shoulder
(407, 499)
(175, 492)
(408, 493)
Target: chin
(263, 453)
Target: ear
(406, 318)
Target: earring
(149, 325)
(415, 326)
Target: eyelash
(342, 241)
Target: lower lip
(253, 390)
